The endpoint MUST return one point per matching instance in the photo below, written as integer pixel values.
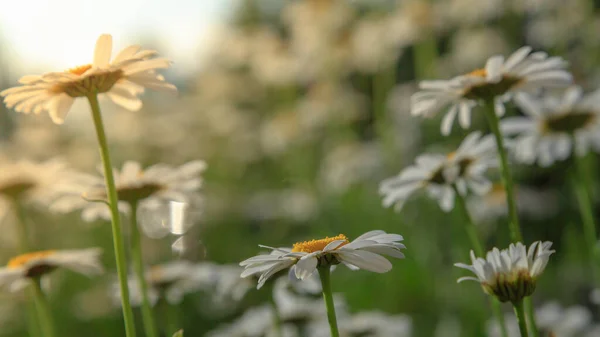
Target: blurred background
(300, 108)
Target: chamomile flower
(30, 182)
(552, 319)
(365, 252)
(509, 274)
(175, 279)
(523, 71)
(150, 186)
(255, 322)
(21, 269)
(437, 174)
(367, 323)
(123, 79)
(554, 128)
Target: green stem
(520, 312)
(381, 85)
(43, 308)
(478, 248)
(138, 265)
(325, 275)
(23, 242)
(469, 224)
(113, 201)
(22, 230)
(277, 324)
(584, 200)
(424, 58)
(533, 330)
(170, 318)
(513, 224)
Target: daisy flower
(365, 252)
(534, 203)
(123, 79)
(554, 128)
(552, 319)
(150, 187)
(30, 182)
(509, 274)
(438, 174)
(523, 71)
(21, 269)
(255, 322)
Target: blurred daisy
(150, 187)
(538, 204)
(30, 182)
(294, 307)
(20, 269)
(255, 322)
(175, 279)
(368, 323)
(122, 80)
(552, 318)
(163, 280)
(365, 252)
(509, 274)
(437, 174)
(523, 71)
(551, 125)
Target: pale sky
(48, 35)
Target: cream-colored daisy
(367, 323)
(255, 322)
(29, 182)
(174, 279)
(509, 274)
(21, 269)
(150, 186)
(546, 133)
(522, 72)
(365, 252)
(123, 79)
(439, 174)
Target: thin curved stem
(170, 317)
(530, 311)
(513, 224)
(277, 324)
(469, 224)
(520, 313)
(22, 228)
(113, 201)
(584, 200)
(150, 327)
(23, 242)
(478, 248)
(325, 275)
(43, 308)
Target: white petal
(448, 119)
(306, 266)
(59, 107)
(365, 260)
(102, 51)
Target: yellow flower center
(21, 260)
(80, 69)
(478, 73)
(451, 155)
(316, 245)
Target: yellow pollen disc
(21, 260)
(316, 245)
(79, 70)
(478, 73)
(451, 155)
